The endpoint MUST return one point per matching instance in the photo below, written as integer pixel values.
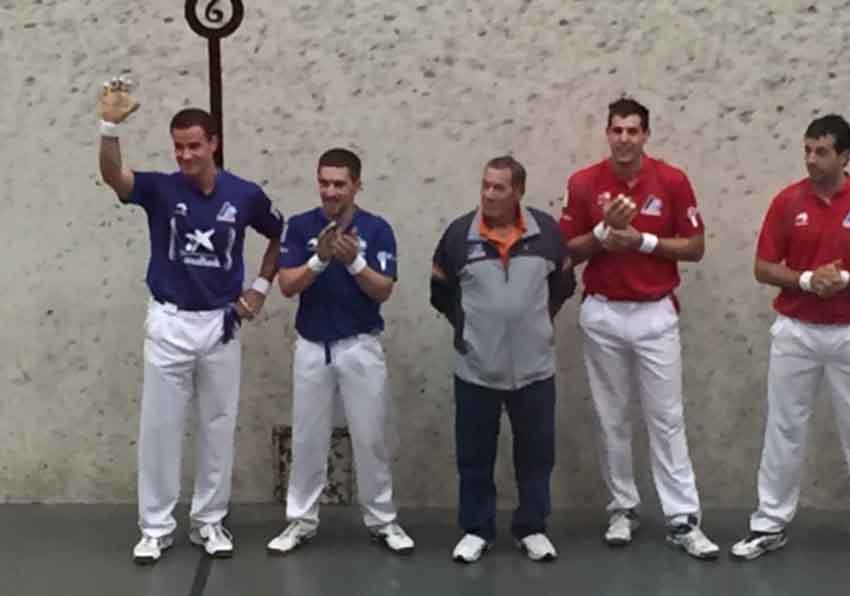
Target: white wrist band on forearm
(358, 265)
(806, 281)
(316, 264)
(262, 285)
(600, 231)
(648, 242)
(110, 129)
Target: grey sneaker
(758, 544)
(393, 537)
(215, 539)
(692, 540)
(620, 527)
(538, 547)
(149, 549)
(295, 534)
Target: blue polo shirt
(334, 307)
(197, 239)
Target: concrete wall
(425, 91)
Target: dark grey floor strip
(202, 573)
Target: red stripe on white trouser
(632, 349)
(184, 360)
(358, 374)
(801, 355)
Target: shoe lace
(218, 533)
(294, 529)
(394, 530)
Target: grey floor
(85, 550)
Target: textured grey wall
(425, 91)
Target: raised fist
(114, 103)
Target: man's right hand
(826, 280)
(619, 212)
(326, 240)
(114, 103)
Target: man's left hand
(250, 304)
(346, 247)
(622, 240)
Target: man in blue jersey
(341, 262)
(197, 218)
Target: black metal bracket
(208, 19)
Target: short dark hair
(507, 162)
(341, 158)
(189, 117)
(834, 125)
(625, 107)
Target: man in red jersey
(632, 218)
(803, 249)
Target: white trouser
(633, 348)
(801, 355)
(357, 372)
(185, 359)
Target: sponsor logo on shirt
(181, 209)
(802, 219)
(652, 206)
(383, 258)
(199, 249)
(227, 214)
(693, 216)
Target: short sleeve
(381, 254)
(686, 215)
(267, 220)
(575, 215)
(145, 188)
(293, 247)
(773, 241)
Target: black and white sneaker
(690, 538)
(758, 544)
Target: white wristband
(262, 285)
(110, 129)
(601, 231)
(845, 277)
(358, 265)
(316, 264)
(806, 281)
(648, 242)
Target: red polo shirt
(666, 207)
(806, 232)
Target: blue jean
(531, 411)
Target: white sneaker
(620, 528)
(215, 538)
(294, 534)
(538, 547)
(758, 544)
(149, 549)
(394, 538)
(470, 548)
(692, 540)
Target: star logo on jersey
(227, 214)
(802, 219)
(199, 239)
(652, 206)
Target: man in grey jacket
(500, 274)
